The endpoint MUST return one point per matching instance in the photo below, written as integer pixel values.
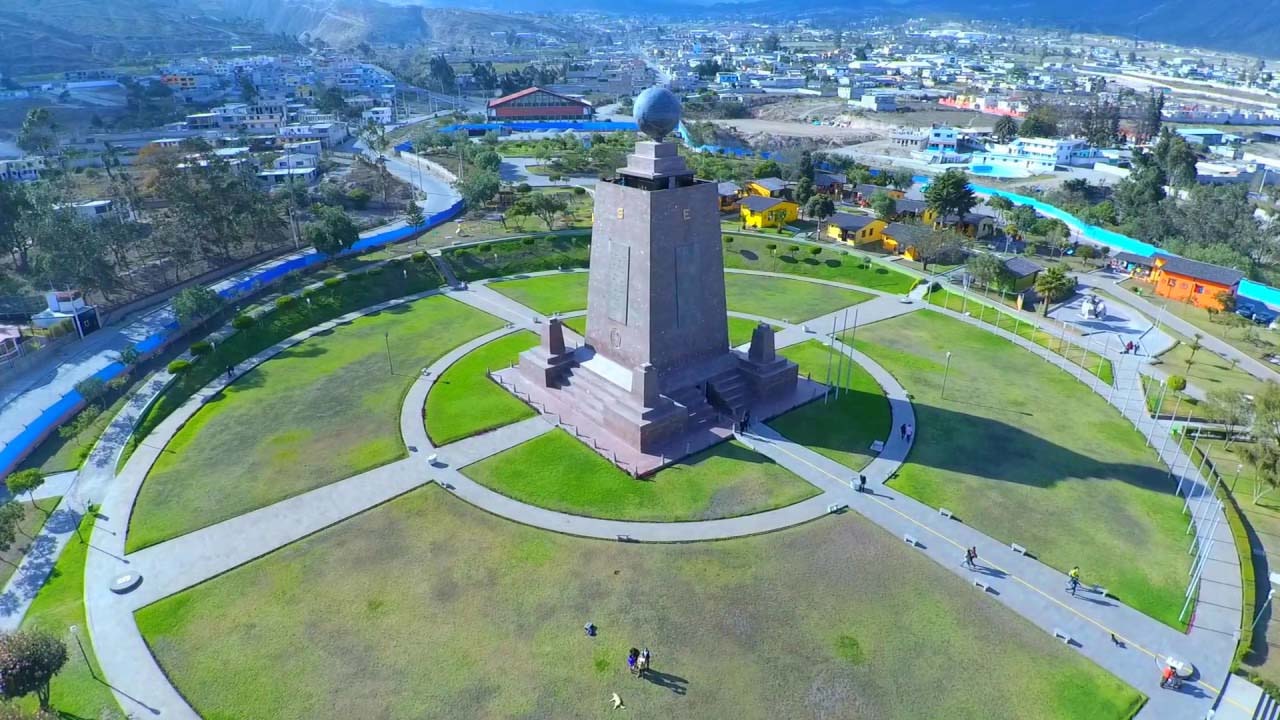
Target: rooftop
(758, 203)
(1215, 274)
(845, 221)
(1021, 267)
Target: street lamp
(1235, 480)
(946, 371)
(1270, 594)
(75, 633)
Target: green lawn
(841, 429)
(1207, 371)
(547, 294)
(1025, 453)
(392, 614)
(76, 692)
(788, 300)
(782, 299)
(557, 471)
(321, 411)
(740, 329)
(465, 402)
(1093, 362)
(522, 255)
(33, 517)
(748, 252)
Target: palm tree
(1053, 285)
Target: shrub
(241, 322)
(528, 240)
(285, 301)
(179, 366)
(118, 383)
(201, 347)
(333, 281)
(309, 291)
(771, 247)
(794, 249)
(418, 257)
(1176, 383)
(91, 388)
(130, 355)
(484, 248)
(359, 198)
(523, 188)
(579, 190)
(728, 240)
(374, 271)
(815, 251)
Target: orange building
(1193, 282)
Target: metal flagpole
(852, 338)
(832, 346)
(835, 376)
(840, 374)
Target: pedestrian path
(1019, 582)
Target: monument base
(641, 441)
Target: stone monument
(655, 378)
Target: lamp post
(1270, 594)
(387, 338)
(75, 633)
(1236, 479)
(946, 371)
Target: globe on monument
(657, 112)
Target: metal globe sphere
(657, 112)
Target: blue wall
(31, 437)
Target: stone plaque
(619, 281)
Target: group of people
(971, 557)
(638, 661)
(1129, 348)
(905, 431)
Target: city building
(536, 103)
(25, 169)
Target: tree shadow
(749, 255)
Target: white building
(26, 169)
(1050, 151)
(327, 134)
(293, 161)
(877, 102)
(97, 210)
(309, 147)
(380, 115)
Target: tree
(768, 169)
(770, 43)
(29, 660)
(15, 205)
(39, 133)
(1264, 452)
(1229, 407)
(332, 231)
(413, 215)
(884, 205)
(440, 75)
(488, 160)
(11, 514)
(478, 188)
(1006, 129)
(1152, 115)
(1054, 284)
(248, 91)
(544, 206)
(1194, 346)
(1041, 121)
(195, 303)
(820, 207)
(988, 271)
(803, 191)
(949, 194)
(26, 482)
(1177, 158)
(937, 246)
(901, 179)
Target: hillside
(39, 36)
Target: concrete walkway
(1021, 583)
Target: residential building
(535, 103)
(973, 225)
(730, 193)
(327, 134)
(1022, 271)
(767, 212)
(309, 147)
(829, 183)
(1193, 282)
(769, 187)
(293, 161)
(97, 210)
(877, 102)
(863, 192)
(379, 115)
(901, 239)
(1044, 154)
(25, 169)
(180, 82)
(854, 229)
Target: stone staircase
(730, 393)
(695, 402)
(1242, 700)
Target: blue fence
(53, 416)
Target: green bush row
(520, 255)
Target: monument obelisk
(655, 377)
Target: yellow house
(854, 229)
(766, 212)
(769, 187)
(901, 239)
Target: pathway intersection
(1019, 582)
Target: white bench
(1017, 548)
(877, 446)
(910, 540)
(431, 459)
(1100, 590)
(981, 585)
(1062, 635)
(836, 507)
(944, 513)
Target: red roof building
(537, 104)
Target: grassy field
(1207, 371)
(557, 471)
(76, 692)
(389, 615)
(1088, 360)
(465, 402)
(749, 252)
(523, 255)
(480, 227)
(782, 299)
(841, 429)
(321, 411)
(33, 517)
(1025, 453)
(547, 294)
(740, 329)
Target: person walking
(973, 557)
(902, 431)
(1074, 582)
(633, 660)
(862, 483)
(910, 431)
(643, 663)
(968, 558)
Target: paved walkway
(1021, 583)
